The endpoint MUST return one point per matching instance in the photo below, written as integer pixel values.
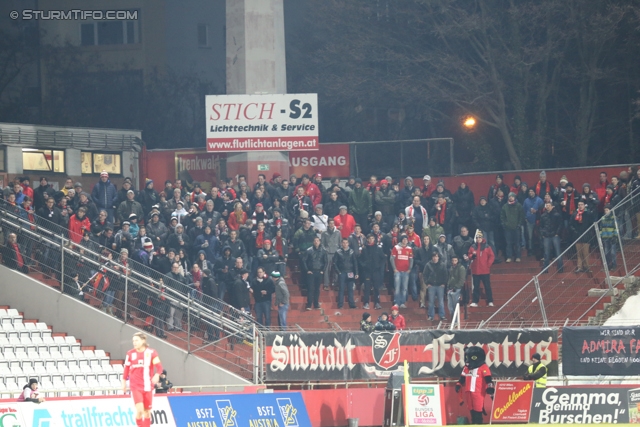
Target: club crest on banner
(385, 347)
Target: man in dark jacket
(461, 245)
(262, 289)
(551, 223)
(499, 185)
(240, 295)
(346, 266)
(105, 195)
(314, 262)
(42, 193)
(148, 197)
(435, 276)
(372, 264)
(385, 199)
(178, 283)
(223, 268)
(360, 203)
(511, 218)
(484, 219)
(383, 323)
(463, 202)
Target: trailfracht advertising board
(274, 122)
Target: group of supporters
(232, 241)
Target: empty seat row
(10, 313)
(51, 385)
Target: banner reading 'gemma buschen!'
(356, 355)
(580, 405)
(273, 122)
(601, 350)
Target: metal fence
(593, 269)
(403, 158)
(133, 292)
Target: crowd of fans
(233, 242)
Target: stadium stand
(63, 366)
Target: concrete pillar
(73, 162)
(256, 63)
(14, 159)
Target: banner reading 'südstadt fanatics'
(357, 355)
(601, 350)
(273, 122)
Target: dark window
(87, 35)
(110, 33)
(130, 32)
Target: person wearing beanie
(439, 191)
(402, 264)
(105, 196)
(511, 218)
(30, 392)
(397, 319)
(589, 197)
(406, 194)
(282, 298)
(385, 200)
(517, 182)
(164, 385)
(383, 323)
(365, 324)
(360, 205)
(537, 371)
(499, 185)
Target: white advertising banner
(241, 123)
(424, 405)
(84, 412)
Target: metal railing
(568, 297)
(136, 294)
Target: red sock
(146, 422)
(139, 422)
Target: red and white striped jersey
(139, 368)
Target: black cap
(536, 356)
(365, 315)
(500, 176)
(244, 271)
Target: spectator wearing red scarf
(311, 190)
(12, 255)
(544, 187)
